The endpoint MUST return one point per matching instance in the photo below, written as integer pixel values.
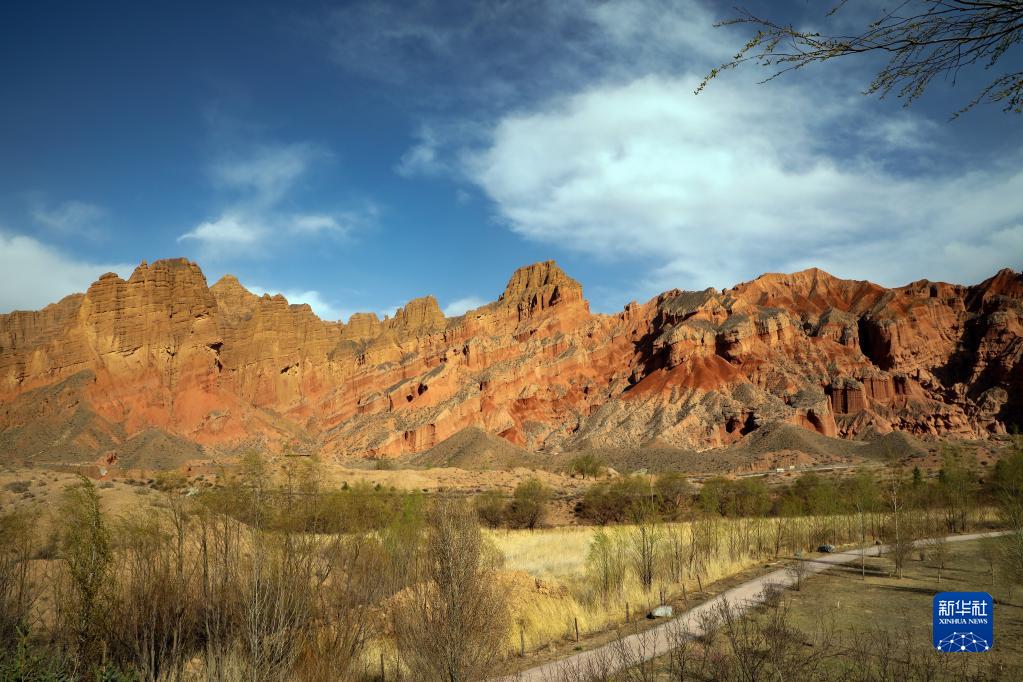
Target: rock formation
(218, 366)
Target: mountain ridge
(216, 365)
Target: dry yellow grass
(546, 610)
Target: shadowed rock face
(219, 365)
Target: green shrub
(587, 464)
(528, 506)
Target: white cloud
(70, 217)
(323, 308)
(316, 224)
(266, 173)
(494, 53)
(229, 234)
(34, 274)
(605, 150)
(461, 305)
(264, 178)
(720, 187)
(421, 158)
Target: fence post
(522, 640)
(628, 618)
(576, 628)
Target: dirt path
(655, 642)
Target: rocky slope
(218, 366)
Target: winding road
(656, 641)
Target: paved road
(655, 642)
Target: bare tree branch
(925, 39)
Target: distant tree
(939, 551)
(674, 492)
(587, 465)
(901, 544)
(529, 504)
(1006, 480)
(862, 495)
(713, 495)
(745, 497)
(957, 483)
(749, 498)
(1007, 488)
(923, 39)
(490, 508)
(613, 502)
(1012, 542)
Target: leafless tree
(645, 544)
(17, 544)
(154, 616)
(798, 570)
(605, 563)
(1012, 542)
(455, 620)
(940, 552)
(923, 39)
(87, 556)
(346, 601)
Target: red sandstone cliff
(219, 365)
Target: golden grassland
(562, 593)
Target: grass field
(859, 604)
(864, 616)
(554, 590)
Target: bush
(587, 465)
(17, 487)
(490, 508)
(613, 502)
(745, 497)
(674, 494)
(529, 504)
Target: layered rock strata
(219, 365)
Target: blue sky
(356, 155)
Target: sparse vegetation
(587, 465)
(528, 506)
(273, 574)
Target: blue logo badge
(964, 621)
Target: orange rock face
(219, 365)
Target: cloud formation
(578, 121)
(262, 181)
(70, 218)
(23, 259)
(324, 309)
(494, 54)
(462, 305)
(718, 188)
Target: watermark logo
(964, 621)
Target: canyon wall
(218, 366)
